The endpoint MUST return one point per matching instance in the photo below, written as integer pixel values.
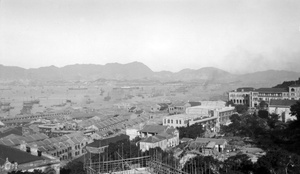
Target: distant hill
(134, 70)
(139, 71)
(205, 74)
(286, 84)
(267, 78)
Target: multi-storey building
(244, 96)
(19, 159)
(294, 92)
(252, 97)
(49, 128)
(158, 136)
(210, 116)
(99, 146)
(267, 94)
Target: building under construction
(154, 161)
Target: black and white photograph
(149, 87)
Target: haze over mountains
(139, 71)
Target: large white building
(282, 108)
(244, 96)
(210, 116)
(252, 97)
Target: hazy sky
(235, 35)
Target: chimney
(28, 149)
(39, 153)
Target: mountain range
(139, 71)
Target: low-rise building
(151, 130)
(160, 107)
(49, 128)
(98, 146)
(209, 116)
(208, 145)
(176, 108)
(282, 108)
(158, 136)
(13, 159)
(66, 147)
(192, 104)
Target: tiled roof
(163, 106)
(154, 128)
(194, 103)
(245, 89)
(7, 142)
(186, 139)
(177, 103)
(10, 130)
(16, 155)
(164, 135)
(211, 144)
(12, 136)
(286, 103)
(107, 141)
(272, 90)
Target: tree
(239, 163)
(229, 103)
(241, 109)
(273, 120)
(263, 114)
(73, 167)
(193, 131)
(263, 105)
(278, 161)
(234, 127)
(295, 110)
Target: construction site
(149, 162)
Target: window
(168, 121)
(176, 121)
(179, 121)
(165, 120)
(172, 121)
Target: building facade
(282, 108)
(252, 97)
(209, 116)
(294, 92)
(244, 96)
